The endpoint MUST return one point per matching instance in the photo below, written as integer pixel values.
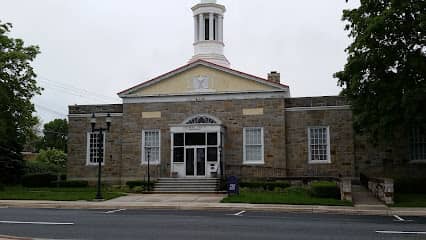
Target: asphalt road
(143, 224)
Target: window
(253, 145)
(151, 146)
(207, 29)
(93, 146)
(178, 147)
(418, 145)
(319, 145)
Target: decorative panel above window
(418, 145)
(151, 146)
(253, 145)
(319, 145)
(93, 155)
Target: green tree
(17, 87)
(55, 159)
(56, 134)
(384, 77)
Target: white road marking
(400, 219)
(114, 211)
(37, 223)
(401, 232)
(239, 213)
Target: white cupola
(208, 32)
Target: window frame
(143, 161)
(88, 162)
(414, 142)
(310, 160)
(254, 162)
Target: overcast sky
(92, 49)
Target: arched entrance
(196, 147)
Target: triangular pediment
(202, 77)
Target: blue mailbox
(232, 185)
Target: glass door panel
(201, 161)
(190, 166)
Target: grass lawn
(299, 196)
(410, 200)
(56, 194)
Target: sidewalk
(363, 198)
(209, 203)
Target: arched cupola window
(202, 119)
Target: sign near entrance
(232, 185)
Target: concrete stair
(186, 185)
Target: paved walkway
(169, 198)
(362, 197)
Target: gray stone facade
(331, 112)
(284, 123)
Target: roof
(203, 63)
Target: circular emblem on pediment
(200, 83)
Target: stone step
(186, 182)
(186, 185)
(184, 189)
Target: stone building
(206, 120)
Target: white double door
(195, 161)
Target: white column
(211, 26)
(195, 29)
(220, 28)
(201, 27)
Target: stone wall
(230, 112)
(77, 169)
(333, 112)
(384, 159)
(285, 123)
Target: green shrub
(325, 189)
(267, 186)
(296, 190)
(138, 189)
(1, 186)
(71, 184)
(38, 180)
(38, 167)
(410, 185)
(139, 183)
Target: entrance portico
(197, 146)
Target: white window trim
(310, 161)
(143, 162)
(260, 162)
(88, 163)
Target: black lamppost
(148, 153)
(220, 160)
(100, 148)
